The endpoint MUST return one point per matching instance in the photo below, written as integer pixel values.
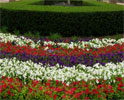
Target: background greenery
(93, 18)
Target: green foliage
(92, 19)
(37, 34)
(28, 34)
(75, 37)
(54, 36)
(3, 29)
(37, 5)
(118, 36)
(16, 32)
(66, 24)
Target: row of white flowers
(21, 40)
(94, 43)
(28, 69)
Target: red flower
(3, 77)
(97, 92)
(99, 96)
(118, 79)
(119, 88)
(107, 91)
(87, 91)
(103, 81)
(8, 92)
(30, 90)
(5, 85)
(109, 86)
(112, 91)
(104, 86)
(11, 94)
(58, 89)
(103, 97)
(1, 89)
(63, 96)
(73, 89)
(19, 89)
(86, 98)
(10, 80)
(69, 92)
(121, 84)
(94, 91)
(46, 92)
(99, 86)
(77, 95)
(4, 96)
(40, 88)
(55, 96)
(2, 81)
(11, 86)
(48, 84)
(74, 83)
(57, 82)
(116, 91)
(28, 96)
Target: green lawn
(89, 6)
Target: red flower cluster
(59, 50)
(58, 90)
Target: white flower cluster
(94, 43)
(28, 69)
(5, 37)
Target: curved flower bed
(13, 88)
(28, 69)
(92, 69)
(69, 61)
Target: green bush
(54, 36)
(66, 24)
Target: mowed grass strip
(37, 5)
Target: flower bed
(92, 69)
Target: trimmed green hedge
(37, 5)
(67, 24)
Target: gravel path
(4, 1)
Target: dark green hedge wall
(66, 24)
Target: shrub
(66, 24)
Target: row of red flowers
(9, 47)
(14, 88)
